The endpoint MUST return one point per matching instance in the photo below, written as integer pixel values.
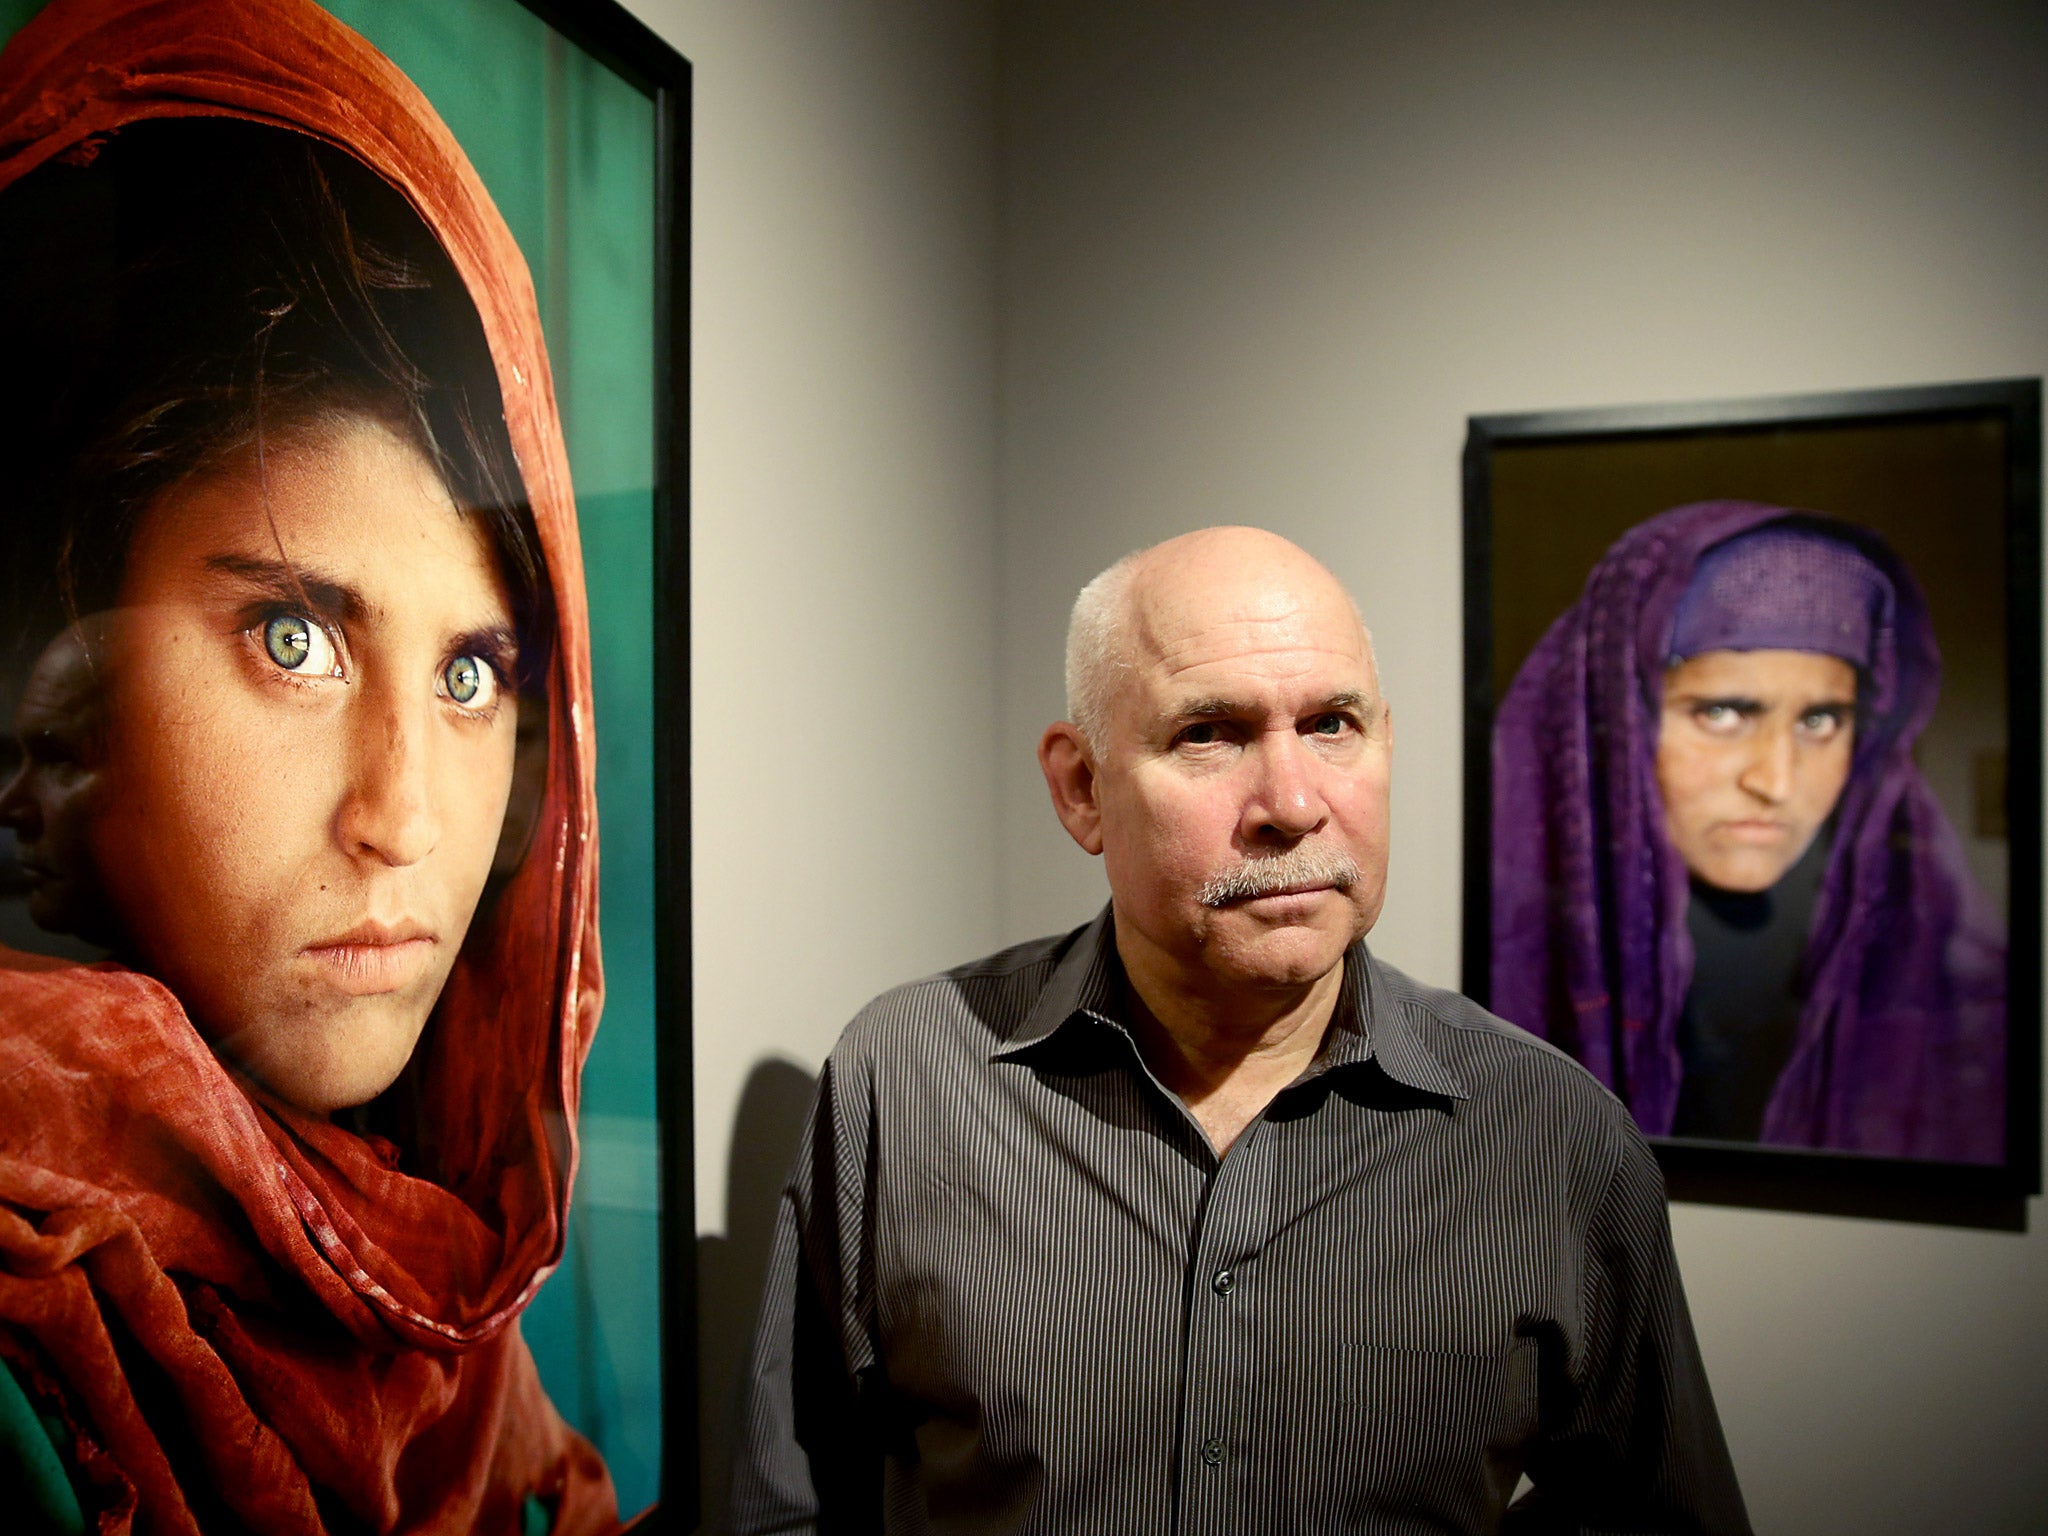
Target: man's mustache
(1303, 866)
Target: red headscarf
(207, 1282)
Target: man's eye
(471, 682)
(48, 749)
(300, 645)
(1330, 725)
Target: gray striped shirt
(1014, 1289)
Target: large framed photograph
(345, 1168)
(1752, 782)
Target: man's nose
(1769, 771)
(19, 808)
(388, 810)
(1285, 801)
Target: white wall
(842, 544)
(1260, 262)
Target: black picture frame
(613, 36)
(1667, 455)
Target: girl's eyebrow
(328, 597)
(1741, 703)
(498, 643)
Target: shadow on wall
(732, 1266)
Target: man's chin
(60, 913)
(1279, 951)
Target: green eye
(472, 682)
(289, 640)
(297, 644)
(465, 679)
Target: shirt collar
(1368, 1025)
(1087, 982)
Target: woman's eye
(299, 645)
(470, 682)
(1822, 724)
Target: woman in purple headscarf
(1718, 878)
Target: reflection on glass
(47, 802)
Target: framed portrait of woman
(1753, 697)
(344, 1150)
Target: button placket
(1221, 1379)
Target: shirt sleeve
(809, 1456)
(1635, 1445)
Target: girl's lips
(367, 968)
(1755, 831)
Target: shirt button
(1224, 1282)
(1212, 1451)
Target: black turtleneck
(1742, 1010)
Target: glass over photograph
(1749, 684)
(1752, 783)
(300, 982)
(1722, 882)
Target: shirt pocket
(1420, 1438)
(1485, 1395)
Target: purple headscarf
(1783, 587)
(1900, 1048)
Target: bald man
(47, 802)
(1200, 1218)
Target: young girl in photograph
(278, 1177)
(1719, 877)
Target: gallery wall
(985, 297)
(1259, 263)
(842, 552)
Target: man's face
(309, 748)
(1753, 748)
(1242, 787)
(48, 800)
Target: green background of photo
(566, 149)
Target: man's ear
(1070, 775)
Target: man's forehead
(1237, 617)
(1235, 676)
(1267, 631)
(62, 679)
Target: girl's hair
(188, 291)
